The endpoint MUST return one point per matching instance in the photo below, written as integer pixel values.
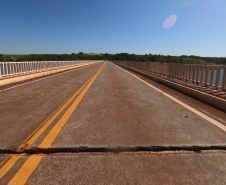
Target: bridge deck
(100, 124)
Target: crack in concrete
(81, 149)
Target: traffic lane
(202, 107)
(24, 108)
(121, 111)
(21, 83)
(128, 169)
(24, 93)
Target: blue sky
(113, 26)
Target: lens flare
(170, 21)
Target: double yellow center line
(57, 128)
(32, 162)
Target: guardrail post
(3, 69)
(1, 72)
(202, 75)
(190, 73)
(218, 75)
(193, 73)
(224, 80)
(198, 75)
(185, 73)
(212, 76)
(7, 69)
(16, 68)
(181, 71)
(10, 68)
(207, 76)
(175, 71)
(23, 67)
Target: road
(101, 124)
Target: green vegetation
(62, 57)
(6, 58)
(167, 59)
(184, 59)
(209, 60)
(13, 56)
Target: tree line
(183, 59)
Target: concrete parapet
(210, 99)
(16, 79)
(213, 76)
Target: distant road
(101, 124)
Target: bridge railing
(213, 76)
(8, 69)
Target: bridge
(102, 122)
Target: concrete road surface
(101, 124)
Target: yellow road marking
(31, 139)
(26, 170)
(31, 164)
(57, 128)
(9, 162)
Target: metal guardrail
(213, 76)
(8, 69)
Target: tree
(80, 53)
(1, 58)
